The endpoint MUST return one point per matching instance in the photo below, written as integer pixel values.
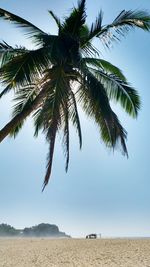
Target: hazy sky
(102, 192)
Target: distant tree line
(40, 230)
(8, 230)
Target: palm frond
(24, 99)
(15, 131)
(20, 22)
(44, 40)
(57, 20)
(51, 137)
(125, 21)
(74, 116)
(75, 21)
(66, 134)
(89, 50)
(25, 112)
(7, 52)
(24, 69)
(96, 104)
(105, 66)
(96, 27)
(133, 18)
(50, 116)
(120, 91)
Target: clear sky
(102, 192)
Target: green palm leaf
(24, 99)
(7, 52)
(97, 26)
(24, 69)
(96, 104)
(20, 117)
(105, 66)
(51, 116)
(124, 21)
(75, 21)
(48, 118)
(120, 91)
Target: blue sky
(102, 192)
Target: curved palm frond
(115, 84)
(51, 116)
(24, 99)
(24, 69)
(20, 117)
(120, 91)
(96, 104)
(125, 21)
(7, 52)
(48, 118)
(105, 66)
(51, 137)
(30, 28)
(57, 20)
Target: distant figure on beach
(91, 236)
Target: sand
(74, 252)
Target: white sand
(74, 252)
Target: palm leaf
(66, 134)
(51, 136)
(10, 126)
(20, 22)
(105, 66)
(97, 26)
(57, 20)
(96, 104)
(133, 18)
(125, 21)
(120, 91)
(50, 116)
(24, 99)
(7, 52)
(24, 69)
(86, 47)
(76, 19)
(74, 116)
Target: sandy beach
(74, 252)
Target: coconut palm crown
(64, 71)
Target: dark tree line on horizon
(40, 230)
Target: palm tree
(65, 70)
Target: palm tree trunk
(20, 117)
